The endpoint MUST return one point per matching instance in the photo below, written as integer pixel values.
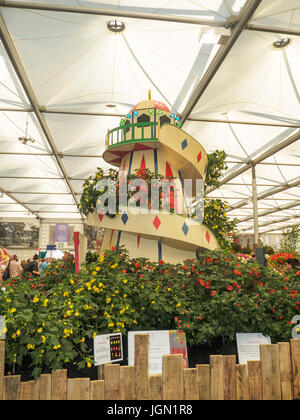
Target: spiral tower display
(151, 137)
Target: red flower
(298, 273)
(213, 292)
(237, 273)
(200, 317)
(113, 248)
(187, 325)
(184, 267)
(137, 265)
(141, 276)
(124, 271)
(166, 272)
(272, 291)
(238, 304)
(207, 285)
(183, 286)
(202, 282)
(229, 287)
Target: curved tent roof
(65, 79)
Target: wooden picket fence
(275, 377)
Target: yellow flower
(66, 294)
(82, 340)
(35, 299)
(94, 273)
(116, 292)
(94, 335)
(111, 324)
(108, 300)
(122, 311)
(125, 295)
(45, 302)
(71, 281)
(40, 330)
(125, 281)
(89, 364)
(12, 310)
(76, 313)
(31, 346)
(57, 347)
(178, 305)
(97, 268)
(43, 338)
(14, 336)
(8, 300)
(79, 290)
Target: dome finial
(149, 95)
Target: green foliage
(290, 240)
(215, 218)
(52, 324)
(215, 168)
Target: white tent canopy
(65, 79)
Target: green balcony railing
(132, 133)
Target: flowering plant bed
(52, 325)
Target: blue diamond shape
(184, 144)
(124, 218)
(185, 229)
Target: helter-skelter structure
(150, 137)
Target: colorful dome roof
(150, 104)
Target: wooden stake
(217, 377)
(190, 384)
(270, 370)
(155, 387)
(230, 387)
(141, 363)
(242, 383)
(286, 378)
(172, 377)
(203, 379)
(112, 382)
(295, 353)
(254, 380)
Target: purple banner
(62, 232)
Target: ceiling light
(282, 43)
(110, 106)
(116, 26)
(25, 139)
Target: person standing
(33, 266)
(15, 268)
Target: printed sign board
(248, 346)
(160, 344)
(108, 348)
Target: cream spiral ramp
(150, 137)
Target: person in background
(33, 266)
(44, 265)
(23, 263)
(292, 263)
(15, 268)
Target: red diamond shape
(207, 237)
(199, 157)
(156, 222)
(100, 216)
